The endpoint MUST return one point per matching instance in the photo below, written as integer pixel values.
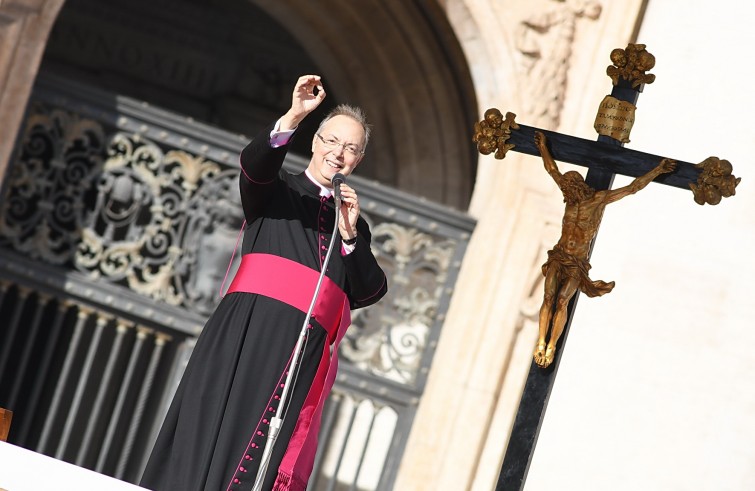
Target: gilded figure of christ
(567, 267)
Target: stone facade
(653, 391)
(464, 418)
(24, 27)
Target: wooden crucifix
(567, 265)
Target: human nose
(339, 149)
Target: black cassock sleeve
(366, 280)
(260, 165)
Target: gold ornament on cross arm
(714, 182)
(492, 133)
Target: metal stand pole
(276, 422)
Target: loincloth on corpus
(566, 265)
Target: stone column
(24, 28)
(545, 61)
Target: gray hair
(353, 112)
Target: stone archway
(24, 27)
(402, 62)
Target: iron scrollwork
(133, 211)
(43, 210)
(391, 336)
(121, 208)
(153, 209)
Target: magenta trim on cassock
(250, 444)
(293, 283)
(241, 165)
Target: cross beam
(604, 158)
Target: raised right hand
(308, 94)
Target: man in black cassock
(215, 430)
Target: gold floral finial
(714, 182)
(492, 133)
(631, 64)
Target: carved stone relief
(545, 42)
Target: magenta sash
(293, 283)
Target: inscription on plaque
(615, 118)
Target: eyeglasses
(333, 143)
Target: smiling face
(327, 160)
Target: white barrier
(24, 470)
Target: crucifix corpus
(567, 266)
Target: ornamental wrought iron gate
(117, 221)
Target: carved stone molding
(24, 28)
(545, 41)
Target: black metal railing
(104, 287)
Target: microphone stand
(277, 421)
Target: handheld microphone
(337, 180)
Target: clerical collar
(323, 190)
